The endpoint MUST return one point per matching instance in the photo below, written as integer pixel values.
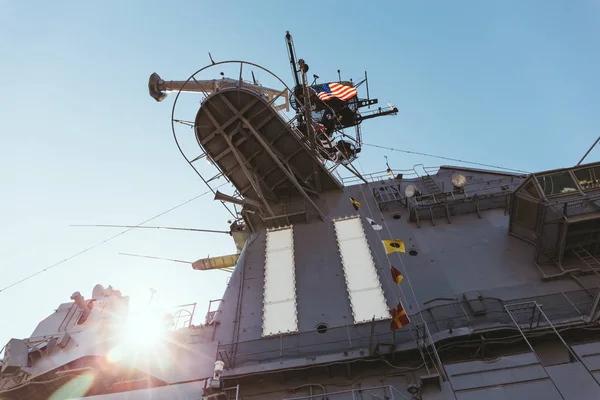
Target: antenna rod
(170, 259)
(588, 152)
(156, 227)
(292, 54)
(367, 82)
(155, 258)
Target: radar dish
(459, 180)
(410, 191)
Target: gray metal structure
(501, 278)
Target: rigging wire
(106, 240)
(588, 152)
(402, 295)
(154, 227)
(437, 360)
(445, 158)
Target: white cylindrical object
(219, 366)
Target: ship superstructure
(427, 283)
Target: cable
(588, 152)
(106, 240)
(445, 158)
(402, 295)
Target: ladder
(430, 185)
(587, 258)
(385, 195)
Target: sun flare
(141, 333)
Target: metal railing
(486, 188)
(376, 392)
(183, 316)
(582, 206)
(441, 320)
(385, 175)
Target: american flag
(328, 91)
(318, 127)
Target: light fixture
(413, 388)
(411, 191)
(458, 180)
(389, 170)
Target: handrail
(571, 207)
(468, 192)
(381, 176)
(328, 394)
(560, 307)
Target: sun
(143, 331)
(143, 328)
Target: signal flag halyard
(355, 203)
(393, 246)
(396, 275)
(399, 317)
(328, 91)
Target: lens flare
(76, 387)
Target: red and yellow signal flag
(396, 275)
(399, 317)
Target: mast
(292, 55)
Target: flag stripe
(330, 90)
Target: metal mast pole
(588, 152)
(307, 106)
(312, 137)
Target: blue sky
(508, 83)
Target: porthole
(413, 252)
(396, 216)
(322, 328)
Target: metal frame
(192, 81)
(536, 307)
(283, 165)
(596, 178)
(439, 200)
(569, 309)
(354, 392)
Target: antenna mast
(292, 55)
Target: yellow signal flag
(393, 246)
(355, 203)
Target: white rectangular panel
(364, 289)
(279, 301)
